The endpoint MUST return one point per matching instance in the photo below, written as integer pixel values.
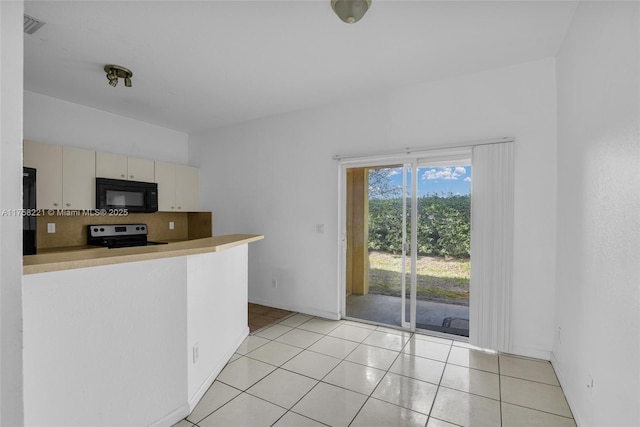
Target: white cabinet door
(178, 187)
(78, 178)
(112, 166)
(187, 188)
(47, 160)
(140, 169)
(165, 177)
(116, 166)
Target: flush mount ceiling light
(115, 71)
(350, 11)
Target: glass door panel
(443, 247)
(376, 240)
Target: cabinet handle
(172, 207)
(131, 176)
(55, 204)
(179, 207)
(122, 175)
(68, 204)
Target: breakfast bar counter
(88, 256)
(130, 336)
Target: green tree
(443, 225)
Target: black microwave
(134, 196)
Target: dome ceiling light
(115, 71)
(350, 11)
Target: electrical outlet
(196, 352)
(171, 225)
(320, 228)
(274, 283)
(51, 227)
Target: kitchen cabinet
(47, 160)
(166, 180)
(78, 178)
(116, 166)
(178, 187)
(140, 169)
(112, 166)
(65, 176)
(187, 188)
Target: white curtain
(491, 246)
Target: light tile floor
(308, 371)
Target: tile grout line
(318, 381)
(369, 396)
(377, 385)
(287, 410)
(440, 383)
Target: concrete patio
(429, 315)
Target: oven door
(133, 196)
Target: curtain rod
(408, 151)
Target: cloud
(467, 179)
(396, 171)
(444, 173)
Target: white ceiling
(204, 64)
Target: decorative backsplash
(71, 230)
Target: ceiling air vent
(31, 24)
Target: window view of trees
(443, 235)
(444, 221)
(444, 225)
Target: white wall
(11, 66)
(55, 121)
(598, 296)
(217, 316)
(276, 177)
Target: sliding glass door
(407, 243)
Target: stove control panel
(112, 230)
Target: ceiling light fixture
(350, 11)
(115, 71)
(31, 24)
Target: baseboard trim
(193, 401)
(563, 380)
(529, 352)
(184, 410)
(173, 417)
(298, 309)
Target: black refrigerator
(29, 215)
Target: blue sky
(439, 180)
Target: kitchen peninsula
(131, 336)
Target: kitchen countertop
(91, 256)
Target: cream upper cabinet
(178, 187)
(187, 188)
(47, 160)
(140, 169)
(165, 177)
(78, 178)
(116, 166)
(65, 176)
(112, 166)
